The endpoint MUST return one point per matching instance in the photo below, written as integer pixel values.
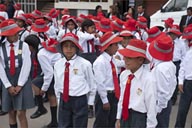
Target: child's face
(70, 25)
(133, 64)
(20, 23)
(69, 49)
(112, 49)
(125, 41)
(91, 29)
(13, 38)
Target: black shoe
(90, 113)
(51, 125)
(38, 113)
(3, 113)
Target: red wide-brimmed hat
(50, 45)
(109, 38)
(40, 26)
(81, 18)
(9, 28)
(64, 18)
(175, 29)
(17, 6)
(2, 7)
(162, 48)
(141, 22)
(54, 13)
(2, 19)
(104, 25)
(65, 11)
(153, 33)
(126, 33)
(48, 16)
(169, 22)
(71, 18)
(135, 48)
(70, 37)
(130, 25)
(37, 14)
(117, 24)
(22, 17)
(187, 33)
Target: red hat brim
(46, 28)
(103, 29)
(175, 32)
(51, 49)
(132, 54)
(113, 41)
(159, 55)
(116, 28)
(170, 25)
(150, 39)
(68, 39)
(11, 32)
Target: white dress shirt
(26, 66)
(142, 94)
(24, 34)
(81, 79)
(185, 71)
(144, 35)
(4, 14)
(84, 37)
(62, 32)
(119, 63)
(51, 33)
(103, 75)
(179, 50)
(47, 60)
(164, 76)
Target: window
(176, 5)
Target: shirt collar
(72, 60)
(8, 44)
(141, 14)
(138, 73)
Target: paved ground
(43, 120)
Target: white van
(174, 9)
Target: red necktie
(35, 65)
(12, 60)
(66, 83)
(126, 97)
(91, 42)
(115, 80)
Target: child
(21, 21)
(168, 24)
(15, 67)
(18, 10)
(47, 57)
(161, 49)
(178, 54)
(77, 75)
(137, 103)
(88, 38)
(185, 82)
(105, 74)
(142, 27)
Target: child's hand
(117, 124)
(180, 87)
(42, 92)
(106, 106)
(18, 89)
(12, 91)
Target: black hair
(86, 23)
(189, 8)
(73, 22)
(33, 40)
(143, 6)
(97, 7)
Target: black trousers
(184, 104)
(105, 118)
(74, 113)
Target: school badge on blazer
(139, 91)
(75, 71)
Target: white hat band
(108, 40)
(9, 27)
(69, 38)
(154, 35)
(161, 50)
(116, 24)
(133, 48)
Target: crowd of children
(122, 72)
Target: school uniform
(24, 100)
(142, 101)
(74, 112)
(143, 34)
(165, 80)
(4, 14)
(119, 63)
(47, 60)
(87, 42)
(136, 34)
(178, 55)
(106, 94)
(185, 79)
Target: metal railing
(27, 5)
(82, 0)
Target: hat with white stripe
(109, 38)
(135, 48)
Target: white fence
(28, 5)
